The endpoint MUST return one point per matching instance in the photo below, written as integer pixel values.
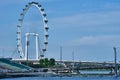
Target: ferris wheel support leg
(36, 47)
(26, 47)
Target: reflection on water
(64, 78)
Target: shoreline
(43, 74)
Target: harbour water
(64, 78)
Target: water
(63, 78)
(94, 71)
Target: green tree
(41, 61)
(51, 62)
(46, 62)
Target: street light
(115, 57)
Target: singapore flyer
(35, 36)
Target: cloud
(88, 23)
(91, 48)
(103, 40)
(88, 19)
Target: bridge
(81, 65)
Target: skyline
(90, 28)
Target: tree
(46, 62)
(51, 62)
(41, 61)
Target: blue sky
(90, 28)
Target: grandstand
(9, 66)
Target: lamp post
(60, 55)
(115, 60)
(61, 62)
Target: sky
(89, 28)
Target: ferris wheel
(23, 53)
